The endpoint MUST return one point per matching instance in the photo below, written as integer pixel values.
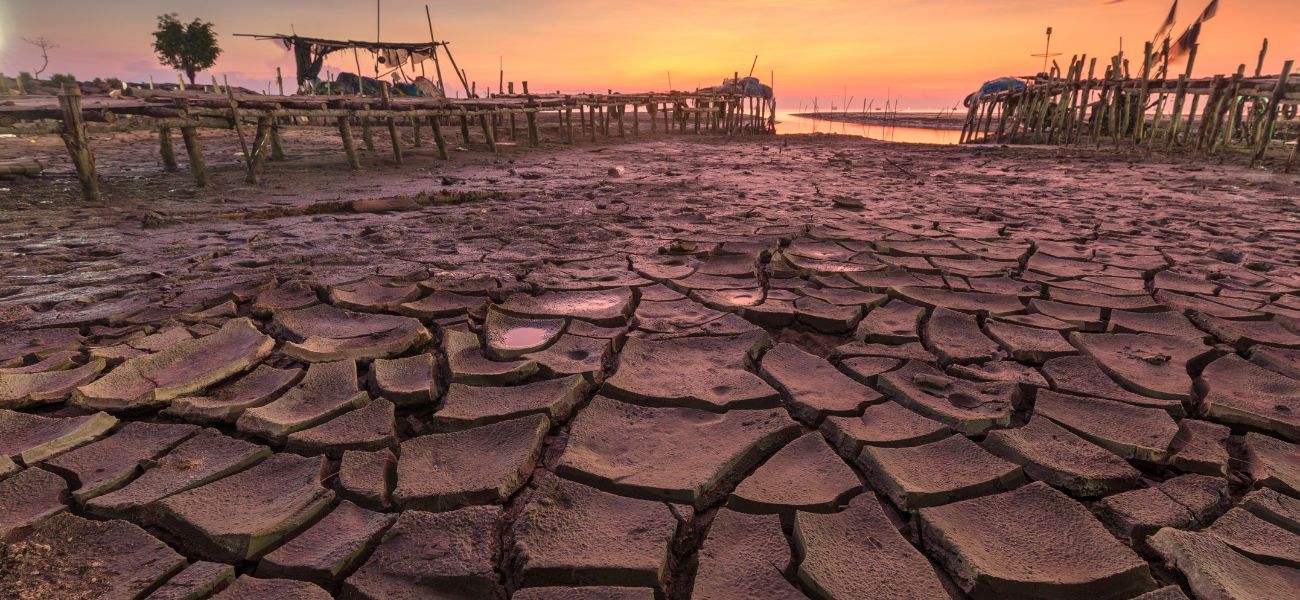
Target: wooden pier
(1145, 107)
(258, 120)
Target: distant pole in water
(670, 81)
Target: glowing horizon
(929, 53)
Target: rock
(239, 517)
(1257, 538)
(1152, 365)
(1238, 392)
(252, 588)
(676, 454)
(469, 365)
(367, 478)
(1201, 447)
(409, 381)
(228, 402)
(1082, 376)
(205, 457)
(199, 580)
(956, 338)
(455, 562)
(813, 387)
(1029, 344)
(885, 424)
(1131, 432)
(857, 553)
(509, 337)
(28, 498)
(329, 549)
(24, 390)
(330, 334)
(1052, 454)
(8, 466)
(103, 466)
(1272, 463)
(67, 556)
(1215, 570)
(483, 465)
(1011, 546)
(328, 390)
(468, 406)
(967, 407)
(744, 556)
(370, 427)
(950, 469)
(804, 475)
(32, 438)
(708, 373)
(894, 323)
(569, 533)
(604, 307)
(153, 380)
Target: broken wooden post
(261, 139)
(277, 145)
(345, 131)
(416, 137)
(166, 149)
(1270, 115)
(367, 137)
(464, 126)
(239, 130)
(77, 142)
(391, 123)
(438, 140)
(190, 135)
(488, 134)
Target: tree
(45, 46)
(188, 47)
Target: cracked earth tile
(248, 587)
(575, 355)
(569, 533)
(328, 390)
(595, 592)
(680, 455)
(33, 438)
(1272, 463)
(366, 478)
(1029, 344)
(368, 428)
(28, 498)
(968, 407)
(324, 333)
(442, 305)
(1214, 570)
(953, 468)
(894, 323)
(886, 424)
(239, 517)
(728, 300)
(1038, 321)
(38, 344)
(206, 457)
(8, 466)
(813, 387)
(1201, 447)
(846, 297)
(859, 554)
(804, 475)
(956, 338)
(409, 381)
(469, 366)
(161, 340)
(226, 403)
(290, 295)
(100, 467)
(605, 307)
(1257, 538)
(826, 317)
(1179, 502)
(199, 580)
(1153, 365)
(1274, 507)
(703, 372)
(470, 406)
(67, 556)
(1183, 282)
(1244, 334)
(182, 369)
(867, 369)
(1186, 303)
(744, 556)
(1169, 592)
(1000, 371)
(1051, 454)
(1136, 303)
(1087, 318)
(1238, 392)
(483, 465)
(60, 360)
(912, 351)
(1009, 546)
(372, 294)
(1132, 432)
(330, 548)
(508, 337)
(1081, 375)
(1286, 362)
(1169, 323)
(433, 555)
(24, 390)
(969, 302)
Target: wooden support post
(438, 139)
(1270, 116)
(622, 132)
(166, 149)
(416, 137)
(349, 145)
(279, 80)
(367, 137)
(257, 157)
(513, 135)
(488, 134)
(198, 169)
(1263, 52)
(1180, 96)
(1147, 58)
(568, 121)
(464, 127)
(652, 111)
(77, 142)
(239, 130)
(277, 144)
(636, 120)
(391, 122)
(533, 139)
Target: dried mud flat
(798, 367)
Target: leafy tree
(188, 47)
(60, 79)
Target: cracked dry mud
(1010, 374)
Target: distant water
(788, 123)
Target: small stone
(328, 549)
(744, 557)
(950, 469)
(804, 475)
(483, 465)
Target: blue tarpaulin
(749, 86)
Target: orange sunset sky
(928, 52)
